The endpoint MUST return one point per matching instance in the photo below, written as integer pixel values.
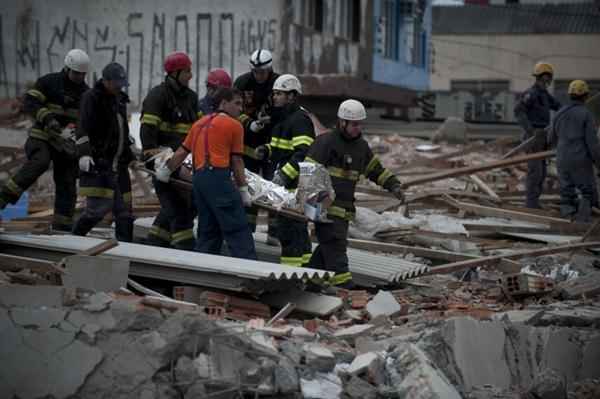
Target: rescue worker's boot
(584, 211)
(124, 229)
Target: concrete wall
(36, 34)
(400, 72)
(512, 57)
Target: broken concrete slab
(362, 362)
(96, 273)
(384, 303)
(321, 386)
(357, 388)
(580, 316)
(414, 376)
(79, 318)
(548, 384)
(319, 358)
(32, 296)
(42, 363)
(286, 377)
(98, 302)
(517, 316)
(40, 319)
(353, 331)
(306, 302)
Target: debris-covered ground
(506, 306)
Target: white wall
(512, 57)
(36, 34)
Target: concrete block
(384, 304)
(319, 358)
(30, 296)
(357, 388)
(362, 362)
(96, 273)
(322, 386)
(353, 331)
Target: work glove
(85, 163)
(256, 126)
(162, 173)
(262, 152)
(398, 193)
(246, 200)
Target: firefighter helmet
(287, 82)
(261, 59)
(578, 88)
(77, 60)
(219, 78)
(543, 67)
(177, 61)
(352, 110)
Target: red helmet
(219, 78)
(177, 61)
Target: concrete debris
(354, 331)
(357, 388)
(383, 303)
(453, 130)
(96, 273)
(319, 357)
(321, 386)
(363, 362)
(548, 384)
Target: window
(313, 14)
(348, 19)
(400, 32)
(388, 30)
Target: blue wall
(398, 72)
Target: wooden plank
(494, 260)
(455, 193)
(428, 253)
(484, 187)
(306, 302)
(11, 263)
(469, 170)
(481, 210)
(550, 229)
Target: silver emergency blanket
(312, 198)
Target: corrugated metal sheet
(579, 18)
(169, 264)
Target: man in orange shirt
(217, 145)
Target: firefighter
(216, 144)
(54, 105)
(347, 156)
(256, 87)
(292, 134)
(533, 115)
(216, 79)
(103, 147)
(168, 112)
(573, 131)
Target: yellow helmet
(543, 67)
(578, 88)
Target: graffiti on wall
(140, 44)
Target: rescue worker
(293, 132)
(103, 147)
(347, 156)
(168, 112)
(533, 115)
(53, 103)
(574, 132)
(257, 86)
(216, 79)
(216, 143)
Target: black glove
(398, 193)
(262, 152)
(53, 126)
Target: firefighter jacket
(103, 131)
(533, 108)
(573, 131)
(291, 136)
(347, 159)
(257, 98)
(54, 96)
(168, 112)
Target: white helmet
(287, 82)
(77, 60)
(261, 59)
(352, 110)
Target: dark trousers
(173, 226)
(331, 254)
(296, 247)
(104, 192)
(221, 215)
(39, 155)
(573, 178)
(536, 174)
